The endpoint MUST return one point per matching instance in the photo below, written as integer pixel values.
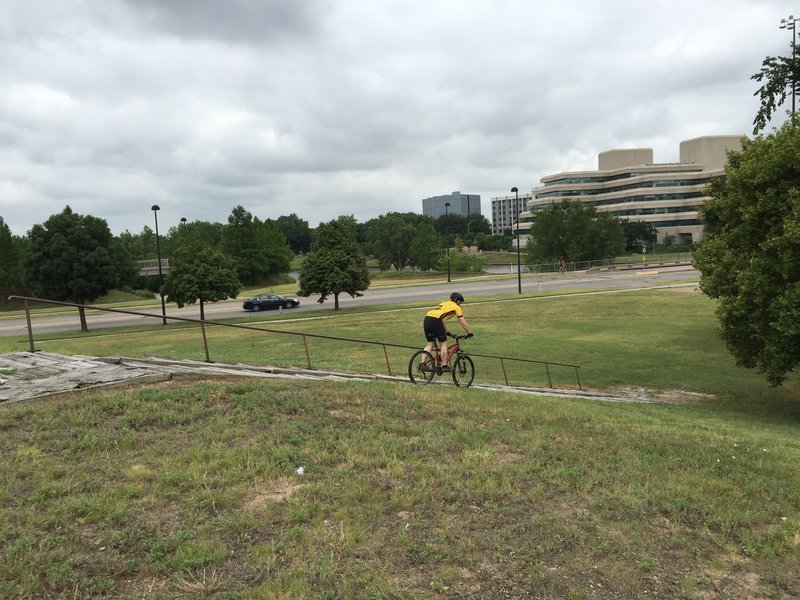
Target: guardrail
(628, 262)
(150, 267)
(305, 336)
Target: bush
(463, 262)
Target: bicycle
(424, 365)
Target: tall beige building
(628, 184)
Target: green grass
(653, 339)
(189, 490)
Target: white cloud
(325, 108)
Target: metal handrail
(305, 336)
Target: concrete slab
(26, 375)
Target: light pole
(447, 244)
(789, 23)
(155, 208)
(519, 270)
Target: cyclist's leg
(436, 331)
(429, 337)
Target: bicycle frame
(452, 349)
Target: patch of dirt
(279, 491)
(665, 396)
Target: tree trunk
(202, 311)
(82, 313)
(335, 301)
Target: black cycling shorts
(434, 329)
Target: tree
(777, 75)
(750, 259)
(257, 248)
(394, 241)
(199, 272)
(335, 264)
(426, 252)
(206, 232)
(296, 231)
(140, 246)
(449, 226)
(493, 242)
(72, 258)
(637, 234)
(574, 231)
(11, 275)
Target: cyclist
(435, 328)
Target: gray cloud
(236, 21)
(329, 108)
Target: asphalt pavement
(471, 288)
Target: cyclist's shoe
(446, 369)
(425, 368)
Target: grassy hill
(292, 489)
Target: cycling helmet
(456, 297)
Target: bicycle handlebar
(459, 337)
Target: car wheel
(256, 307)
(288, 305)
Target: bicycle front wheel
(421, 368)
(463, 371)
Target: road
(471, 289)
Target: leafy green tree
(637, 234)
(140, 246)
(72, 258)
(777, 75)
(257, 248)
(393, 239)
(449, 226)
(198, 272)
(485, 241)
(475, 225)
(11, 274)
(750, 259)
(335, 264)
(296, 231)
(206, 232)
(426, 251)
(575, 232)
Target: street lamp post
(155, 208)
(447, 244)
(519, 269)
(789, 23)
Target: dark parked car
(269, 301)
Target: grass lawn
(194, 489)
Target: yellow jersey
(446, 310)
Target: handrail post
(205, 340)
(503, 364)
(547, 368)
(386, 356)
(308, 356)
(30, 327)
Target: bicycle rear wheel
(421, 368)
(463, 371)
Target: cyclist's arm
(463, 322)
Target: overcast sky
(360, 107)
